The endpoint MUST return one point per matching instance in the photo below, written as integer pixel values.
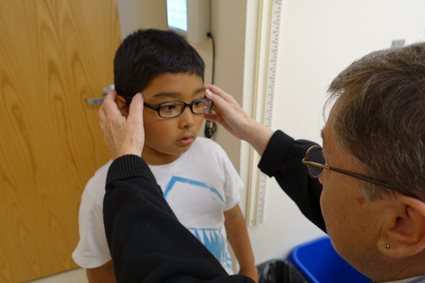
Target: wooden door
(53, 55)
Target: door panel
(53, 55)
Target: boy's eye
(200, 105)
(168, 107)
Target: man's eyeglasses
(315, 163)
(174, 109)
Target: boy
(197, 178)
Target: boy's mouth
(185, 141)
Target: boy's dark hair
(146, 54)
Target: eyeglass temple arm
(363, 177)
(349, 173)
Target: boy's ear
(403, 234)
(122, 105)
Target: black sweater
(282, 160)
(147, 242)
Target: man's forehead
(328, 138)
(325, 135)
(326, 131)
(332, 149)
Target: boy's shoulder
(204, 143)
(96, 184)
(208, 148)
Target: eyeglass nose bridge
(187, 105)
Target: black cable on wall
(211, 126)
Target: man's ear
(403, 233)
(122, 105)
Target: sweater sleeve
(146, 241)
(282, 160)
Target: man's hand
(230, 114)
(122, 135)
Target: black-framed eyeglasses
(174, 109)
(316, 165)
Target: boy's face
(167, 138)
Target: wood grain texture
(53, 55)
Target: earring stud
(387, 246)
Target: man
(371, 167)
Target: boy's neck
(159, 160)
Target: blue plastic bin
(318, 261)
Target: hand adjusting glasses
(315, 163)
(174, 109)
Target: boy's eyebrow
(176, 94)
(166, 94)
(322, 134)
(199, 90)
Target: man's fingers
(217, 99)
(214, 88)
(211, 117)
(136, 109)
(110, 96)
(218, 92)
(221, 105)
(109, 106)
(102, 116)
(101, 112)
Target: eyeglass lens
(315, 154)
(173, 109)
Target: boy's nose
(186, 118)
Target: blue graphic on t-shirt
(199, 184)
(214, 241)
(212, 238)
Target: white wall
(317, 40)
(135, 14)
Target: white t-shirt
(199, 186)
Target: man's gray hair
(380, 117)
